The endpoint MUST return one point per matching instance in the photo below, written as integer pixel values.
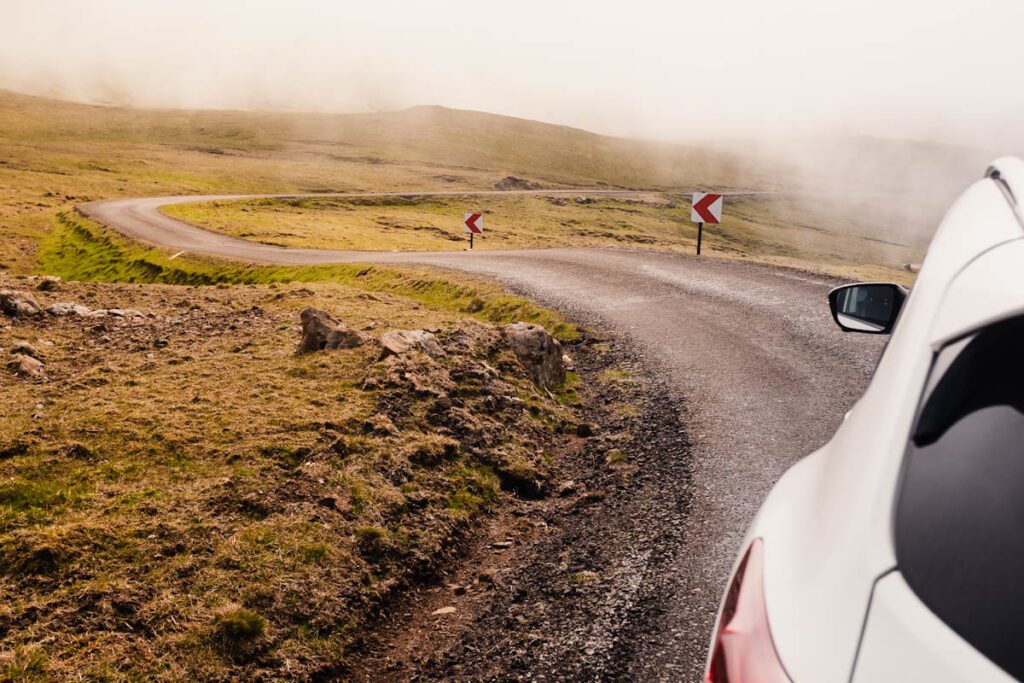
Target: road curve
(748, 352)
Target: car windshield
(959, 516)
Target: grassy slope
(78, 249)
(57, 154)
(161, 484)
(186, 499)
(147, 489)
(775, 230)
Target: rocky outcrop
(513, 183)
(320, 332)
(18, 303)
(398, 342)
(538, 351)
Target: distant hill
(54, 154)
(441, 137)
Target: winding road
(747, 353)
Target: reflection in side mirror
(870, 307)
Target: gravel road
(757, 375)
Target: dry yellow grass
(178, 468)
(775, 230)
(57, 154)
(186, 499)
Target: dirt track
(742, 359)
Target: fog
(793, 86)
(681, 70)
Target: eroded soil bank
(568, 587)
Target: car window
(959, 527)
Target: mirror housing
(868, 307)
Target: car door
(953, 608)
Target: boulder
(538, 351)
(28, 367)
(122, 313)
(18, 303)
(68, 309)
(321, 331)
(48, 283)
(398, 342)
(25, 349)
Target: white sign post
(705, 207)
(474, 223)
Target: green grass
(79, 249)
(782, 231)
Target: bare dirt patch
(565, 588)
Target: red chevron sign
(706, 208)
(474, 223)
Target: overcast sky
(671, 70)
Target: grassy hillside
(767, 229)
(183, 497)
(56, 154)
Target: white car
(896, 551)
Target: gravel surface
(744, 364)
(759, 375)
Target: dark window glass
(872, 303)
(960, 515)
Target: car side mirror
(870, 307)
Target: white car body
(838, 607)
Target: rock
(48, 283)
(440, 612)
(25, 349)
(513, 183)
(320, 331)
(68, 309)
(28, 367)
(19, 303)
(398, 342)
(538, 351)
(567, 362)
(513, 402)
(123, 313)
(567, 488)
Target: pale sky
(676, 70)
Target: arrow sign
(706, 208)
(474, 223)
